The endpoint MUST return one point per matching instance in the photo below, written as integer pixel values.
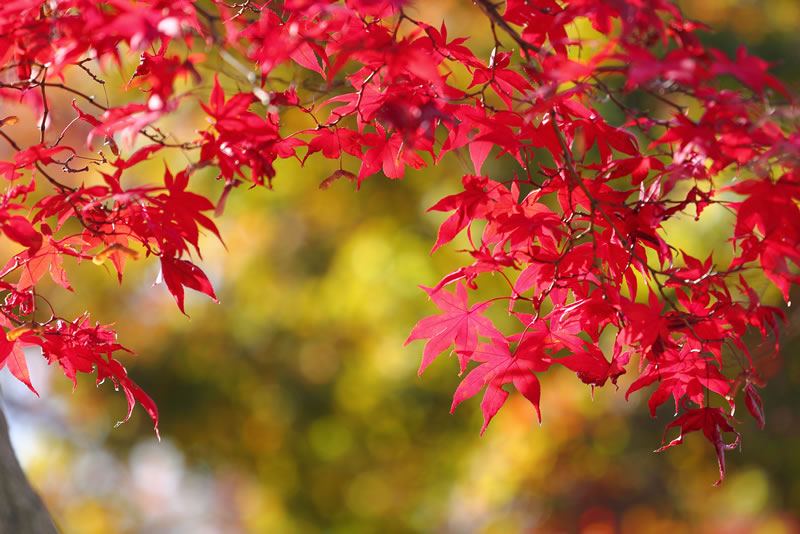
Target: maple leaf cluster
(610, 138)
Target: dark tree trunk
(21, 509)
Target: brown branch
(46, 109)
(490, 10)
(10, 141)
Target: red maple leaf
(35, 262)
(460, 325)
(751, 70)
(713, 422)
(498, 367)
(680, 375)
(473, 203)
(390, 153)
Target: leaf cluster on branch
(611, 136)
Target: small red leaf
(754, 405)
(713, 422)
(21, 230)
(178, 273)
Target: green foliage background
(293, 405)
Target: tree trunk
(21, 509)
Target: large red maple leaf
(499, 367)
(460, 324)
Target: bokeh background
(293, 405)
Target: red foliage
(577, 232)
